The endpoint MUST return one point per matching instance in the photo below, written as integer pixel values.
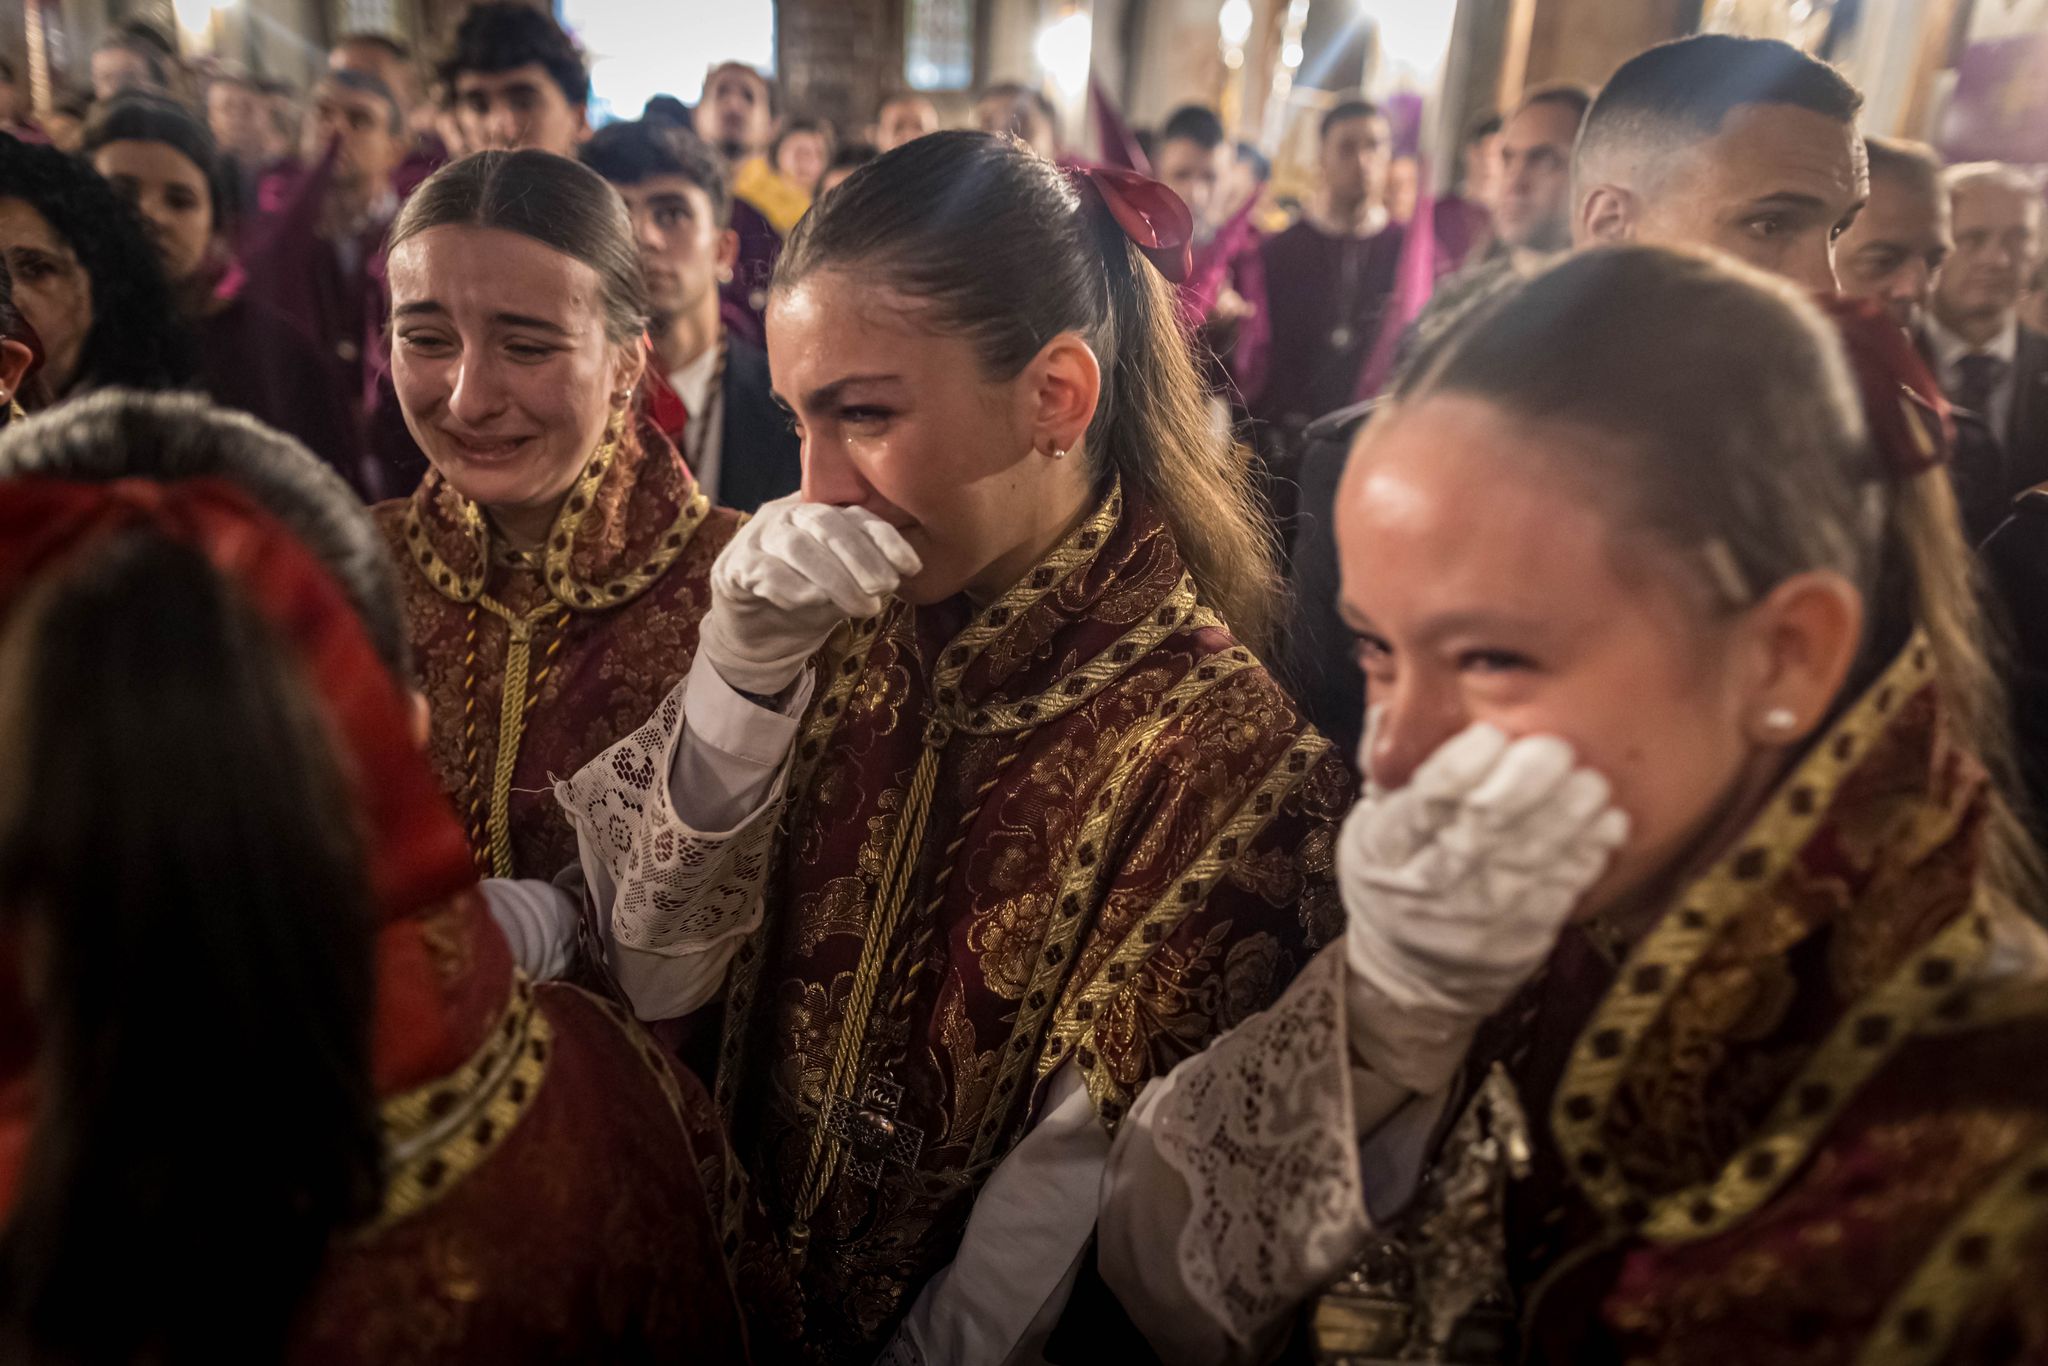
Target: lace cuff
(673, 889)
(1262, 1129)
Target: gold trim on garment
(558, 579)
(437, 1134)
(1074, 1028)
(1977, 1255)
(1663, 961)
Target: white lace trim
(1260, 1128)
(678, 890)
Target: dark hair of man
(1344, 112)
(1483, 127)
(8, 317)
(276, 89)
(1196, 123)
(503, 35)
(394, 48)
(667, 110)
(851, 156)
(363, 83)
(753, 73)
(150, 116)
(169, 438)
(635, 151)
(894, 97)
(821, 127)
(1014, 90)
(6, 69)
(1682, 92)
(134, 338)
(1261, 164)
(140, 651)
(152, 55)
(1565, 94)
(1912, 161)
(998, 247)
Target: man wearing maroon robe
(1330, 276)
(1224, 296)
(315, 249)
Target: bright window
(638, 50)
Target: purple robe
(1326, 298)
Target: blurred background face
(515, 109)
(1482, 168)
(897, 419)
(170, 193)
(1776, 187)
(1531, 610)
(905, 120)
(1020, 117)
(370, 147)
(801, 158)
(115, 69)
(682, 247)
(500, 363)
(51, 289)
(1353, 158)
(1896, 248)
(1532, 204)
(373, 59)
(734, 115)
(1998, 237)
(1197, 174)
(234, 113)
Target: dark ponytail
(1003, 249)
(181, 871)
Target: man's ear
(15, 358)
(1607, 214)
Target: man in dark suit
(1987, 361)
(705, 388)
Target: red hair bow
(1909, 418)
(1151, 215)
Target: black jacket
(760, 458)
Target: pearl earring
(1059, 452)
(1781, 721)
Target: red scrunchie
(1151, 215)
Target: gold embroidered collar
(1702, 936)
(627, 517)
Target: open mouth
(486, 450)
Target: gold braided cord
(892, 895)
(490, 811)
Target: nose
(1413, 723)
(502, 127)
(645, 232)
(1815, 270)
(475, 395)
(829, 477)
(1912, 284)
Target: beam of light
(1064, 47)
(1234, 20)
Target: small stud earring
(1781, 720)
(1059, 452)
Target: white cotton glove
(791, 575)
(1456, 888)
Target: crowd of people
(704, 740)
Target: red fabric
(1151, 215)
(427, 1022)
(1911, 425)
(660, 404)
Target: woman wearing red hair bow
(270, 1086)
(1048, 826)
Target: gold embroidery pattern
(1088, 867)
(1073, 1029)
(1865, 1037)
(437, 1134)
(1664, 959)
(1978, 1255)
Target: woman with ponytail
(271, 1088)
(1048, 825)
(1688, 944)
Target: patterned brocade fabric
(1117, 844)
(564, 653)
(1803, 1119)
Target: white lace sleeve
(661, 885)
(1245, 1160)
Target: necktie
(1978, 377)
